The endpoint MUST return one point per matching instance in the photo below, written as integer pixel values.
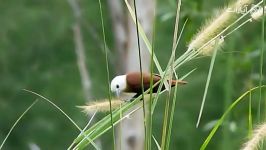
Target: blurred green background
(37, 53)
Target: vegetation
(37, 53)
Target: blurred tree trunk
(80, 53)
(130, 133)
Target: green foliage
(37, 53)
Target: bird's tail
(179, 82)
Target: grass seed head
(101, 106)
(257, 14)
(258, 135)
(215, 26)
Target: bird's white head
(119, 84)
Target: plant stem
(140, 67)
(261, 65)
(149, 131)
(108, 77)
(228, 97)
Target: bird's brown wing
(134, 81)
(174, 82)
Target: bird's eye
(117, 86)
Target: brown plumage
(131, 83)
(134, 82)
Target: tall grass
(149, 122)
(207, 82)
(192, 52)
(206, 42)
(228, 95)
(165, 143)
(262, 61)
(108, 74)
(16, 122)
(66, 115)
(141, 73)
(221, 120)
(250, 123)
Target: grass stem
(108, 74)
(16, 122)
(141, 71)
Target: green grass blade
(85, 128)
(250, 128)
(103, 125)
(229, 26)
(186, 75)
(146, 41)
(182, 78)
(207, 84)
(16, 122)
(101, 130)
(108, 74)
(167, 72)
(220, 121)
(156, 142)
(58, 108)
(228, 96)
(171, 71)
(53, 104)
(262, 48)
(171, 118)
(141, 73)
(190, 53)
(144, 38)
(149, 131)
(261, 61)
(165, 120)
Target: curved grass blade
(58, 108)
(169, 133)
(103, 125)
(190, 53)
(149, 131)
(146, 41)
(107, 70)
(250, 127)
(156, 142)
(261, 60)
(207, 83)
(141, 73)
(144, 37)
(220, 121)
(171, 72)
(84, 129)
(16, 122)
(167, 72)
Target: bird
(131, 83)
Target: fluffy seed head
(101, 106)
(258, 136)
(208, 49)
(215, 26)
(257, 14)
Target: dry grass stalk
(104, 105)
(258, 135)
(101, 106)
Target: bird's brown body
(131, 83)
(134, 82)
